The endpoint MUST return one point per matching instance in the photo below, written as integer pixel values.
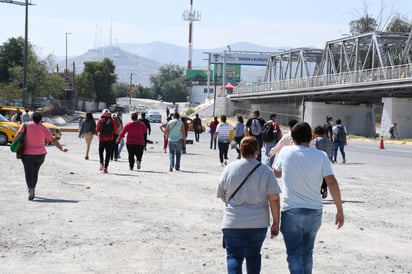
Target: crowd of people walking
(253, 198)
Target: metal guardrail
(341, 79)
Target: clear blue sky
(292, 24)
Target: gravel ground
(156, 221)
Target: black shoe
(31, 194)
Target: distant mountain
(125, 62)
(171, 54)
(144, 60)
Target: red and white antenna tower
(191, 16)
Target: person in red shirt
(269, 145)
(136, 131)
(212, 126)
(106, 127)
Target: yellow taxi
(7, 130)
(9, 111)
(190, 123)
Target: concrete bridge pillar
(358, 119)
(396, 110)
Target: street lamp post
(26, 41)
(130, 92)
(67, 33)
(214, 96)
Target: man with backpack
(106, 127)
(339, 140)
(271, 134)
(254, 126)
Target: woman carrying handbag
(251, 194)
(34, 154)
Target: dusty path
(154, 221)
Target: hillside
(144, 60)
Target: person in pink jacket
(34, 154)
(135, 140)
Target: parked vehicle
(9, 111)
(190, 122)
(154, 116)
(7, 130)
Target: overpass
(348, 79)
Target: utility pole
(66, 71)
(130, 92)
(26, 42)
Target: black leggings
(134, 150)
(223, 149)
(105, 145)
(32, 164)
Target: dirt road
(156, 221)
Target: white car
(141, 109)
(154, 116)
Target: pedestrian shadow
(150, 171)
(331, 202)
(348, 164)
(190, 172)
(122, 174)
(49, 200)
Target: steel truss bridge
(360, 69)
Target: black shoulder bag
(237, 189)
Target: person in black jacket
(149, 130)
(87, 131)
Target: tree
(363, 25)
(169, 84)
(96, 81)
(40, 83)
(399, 24)
(11, 55)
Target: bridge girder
(348, 54)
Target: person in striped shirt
(222, 135)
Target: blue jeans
(243, 243)
(260, 143)
(121, 145)
(341, 147)
(299, 227)
(268, 147)
(175, 148)
(212, 140)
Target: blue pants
(269, 160)
(243, 244)
(212, 140)
(341, 147)
(175, 150)
(299, 227)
